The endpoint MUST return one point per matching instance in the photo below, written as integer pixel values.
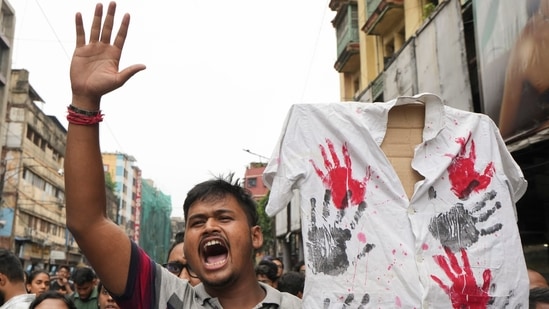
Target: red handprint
(338, 179)
(464, 292)
(463, 176)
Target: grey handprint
(457, 229)
(327, 243)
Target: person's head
(536, 279)
(64, 271)
(292, 282)
(38, 282)
(12, 280)
(265, 271)
(178, 238)
(84, 282)
(539, 298)
(221, 232)
(177, 263)
(279, 264)
(300, 267)
(52, 300)
(105, 300)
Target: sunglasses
(177, 267)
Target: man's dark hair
(35, 273)
(267, 268)
(178, 238)
(217, 189)
(538, 295)
(10, 265)
(298, 265)
(273, 258)
(292, 282)
(66, 267)
(83, 275)
(55, 295)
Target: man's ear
(257, 236)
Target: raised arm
(94, 72)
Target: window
(251, 182)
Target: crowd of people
(38, 289)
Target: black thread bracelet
(83, 111)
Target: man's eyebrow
(218, 212)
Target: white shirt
(378, 248)
(19, 302)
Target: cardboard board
(404, 132)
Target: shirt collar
(434, 115)
(272, 297)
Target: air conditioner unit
(29, 232)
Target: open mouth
(215, 252)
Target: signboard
(513, 63)
(6, 221)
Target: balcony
(383, 15)
(348, 46)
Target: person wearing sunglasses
(177, 263)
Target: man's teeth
(217, 263)
(212, 242)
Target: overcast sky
(221, 77)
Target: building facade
(126, 176)
(33, 197)
(470, 53)
(7, 32)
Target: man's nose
(211, 224)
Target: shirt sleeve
(139, 293)
(285, 166)
(515, 178)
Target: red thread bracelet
(83, 117)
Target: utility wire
(307, 77)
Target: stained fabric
(453, 244)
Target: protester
(300, 267)
(265, 271)
(278, 263)
(105, 299)
(62, 282)
(38, 282)
(221, 230)
(13, 294)
(536, 279)
(85, 284)
(52, 300)
(292, 282)
(177, 263)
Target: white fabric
(384, 250)
(19, 302)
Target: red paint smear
(398, 302)
(463, 176)
(361, 237)
(425, 246)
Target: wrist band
(83, 117)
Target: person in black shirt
(62, 284)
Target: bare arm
(94, 72)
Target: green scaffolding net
(155, 232)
